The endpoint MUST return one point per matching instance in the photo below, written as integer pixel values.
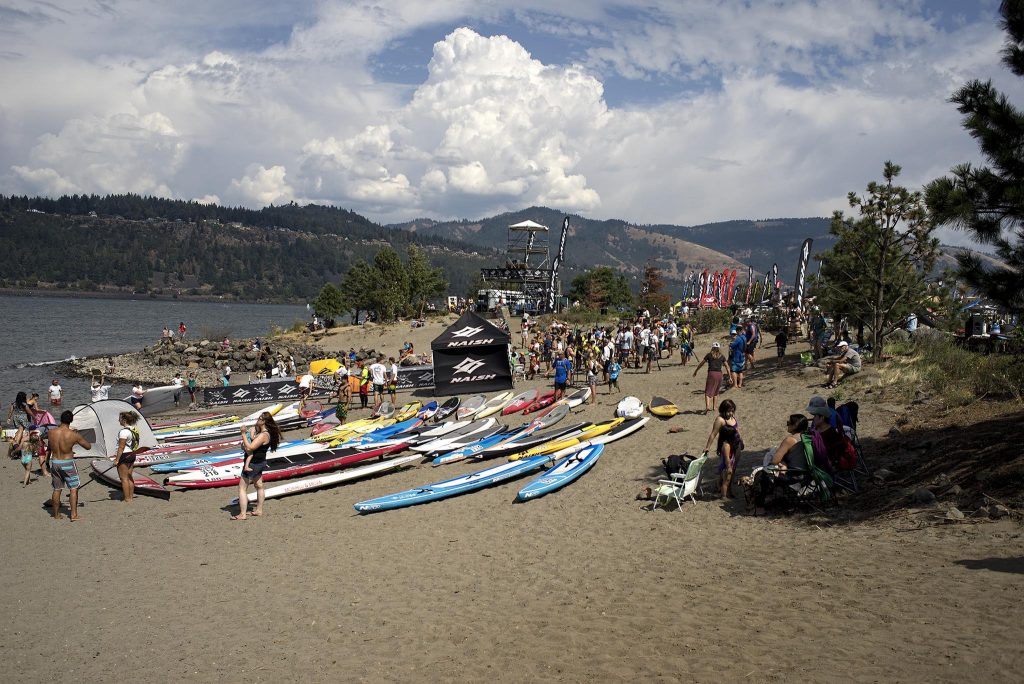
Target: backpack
(676, 463)
(848, 456)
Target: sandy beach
(581, 585)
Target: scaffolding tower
(527, 266)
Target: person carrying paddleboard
(266, 436)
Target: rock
(204, 343)
(942, 480)
(924, 496)
(954, 514)
(191, 350)
(237, 356)
(955, 490)
(179, 347)
(895, 431)
(997, 511)
(883, 475)
(251, 355)
(193, 365)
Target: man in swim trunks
(62, 464)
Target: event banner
(286, 391)
(801, 272)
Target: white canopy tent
(98, 424)
(527, 225)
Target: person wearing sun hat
(846, 362)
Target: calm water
(39, 332)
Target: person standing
(726, 430)
(561, 369)
(63, 472)
(97, 390)
(182, 330)
(28, 447)
(738, 359)
(21, 416)
(593, 367)
(193, 390)
(178, 384)
(713, 384)
(341, 379)
(138, 392)
(614, 368)
(752, 331)
(364, 383)
(378, 373)
(166, 337)
(392, 379)
(127, 443)
(265, 436)
(225, 374)
(781, 341)
(56, 392)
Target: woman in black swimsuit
(266, 437)
(726, 430)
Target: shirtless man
(62, 464)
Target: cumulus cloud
(262, 186)
(116, 153)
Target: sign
(287, 391)
(538, 274)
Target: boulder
(924, 496)
(204, 343)
(954, 514)
(251, 355)
(179, 347)
(193, 365)
(237, 356)
(191, 350)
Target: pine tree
(425, 282)
(988, 201)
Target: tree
(651, 290)
(357, 288)
(389, 292)
(330, 303)
(988, 201)
(876, 270)
(425, 282)
(601, 286)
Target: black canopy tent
(470, 357)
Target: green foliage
(710, 320)
(988, 201)
(390, 289)
(425, 282)
(652, 290)
(357, 288)
(330, 303)
(600, 287)
(876, 271)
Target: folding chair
(518, 372)
(681, 485)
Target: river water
(39, 332)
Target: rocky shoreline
(156, 365)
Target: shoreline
(133, 296)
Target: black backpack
(676, 463)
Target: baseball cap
(817, 406)
(716, 345)
(843, 343)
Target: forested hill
(140, 244)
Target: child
(29, 446)
(686, 351)
(614, 368)
(592, 369)
(781, 340)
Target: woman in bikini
(266, 437)
(127, 444)
(726, 430)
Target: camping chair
(518, 372)
(681, 485)
(848, 414)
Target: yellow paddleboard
(558, 445)
(408, 411)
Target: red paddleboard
(107, 472)
(288, 470)
(520, 402)
(543, 401)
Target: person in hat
(716, 366)
(845, 362)
(825, 423)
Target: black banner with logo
(287, 391)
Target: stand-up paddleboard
(193, 424)
(428, 411)
(447, 408)
(553, 413)
(468, 450)
(574, 399)
(381, 433)
(279, 469)
(385, 410)
(284, 449)
(188, 420)
(495, 404)
(471, 406)
(362, 426)
(572, 439)
(541, 402)
(157, 399)
(408, 411)
(662, 407)
(453, 487)
(519, 402)
(528, 438)
(442, 430)
(340, 477)
(471, 432)
(568, 470)
(106, 471)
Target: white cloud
(262, 186)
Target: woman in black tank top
(265, 437)
(726, 430)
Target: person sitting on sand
(127, 444)
(845, 362)
(726, 430)
(266, 436)
(63, 472)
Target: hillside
(134, 244)
(678, 250)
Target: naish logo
(468, 332)
(468, 365)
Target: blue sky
(656, 112)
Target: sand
(581, 585)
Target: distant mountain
(677, 250)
